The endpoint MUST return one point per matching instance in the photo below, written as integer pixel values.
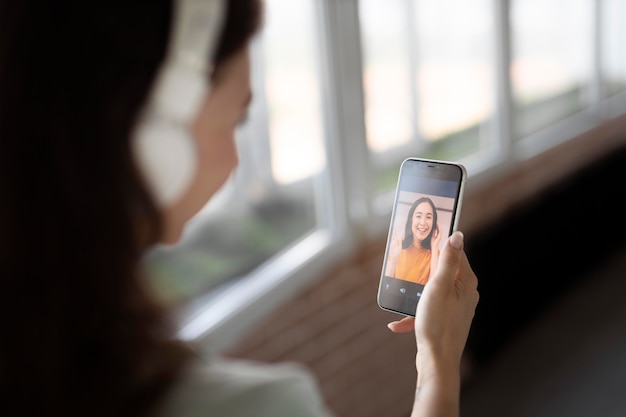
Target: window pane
(269, 202)
(429, 68)
(292, 86)
(386, 74)
(614, 53)
(552, 61)
(455, 78)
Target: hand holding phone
(426, 209)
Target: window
(343, 92)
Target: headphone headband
(162, 143)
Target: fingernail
(456, 240)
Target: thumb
(450, 258)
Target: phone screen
(425, 212)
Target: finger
(466, 274)
(402, 326)
(450, 258)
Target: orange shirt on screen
(413, 265)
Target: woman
(99, 160)
(416, 258)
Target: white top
(238, 388)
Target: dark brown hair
(81, 333)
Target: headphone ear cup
(162, 146)
(166, 155)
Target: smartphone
(426, 210)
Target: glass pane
(386, 74)
(614, 51)
(269, 202)
(292, 88)
(455, 76)
(429, 68)
(552, 61)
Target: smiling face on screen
(422, 222)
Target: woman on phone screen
(415, 256)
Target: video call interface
(411, 188)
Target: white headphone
(162, 144)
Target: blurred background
(530, 95)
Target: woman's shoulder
(235, 387)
